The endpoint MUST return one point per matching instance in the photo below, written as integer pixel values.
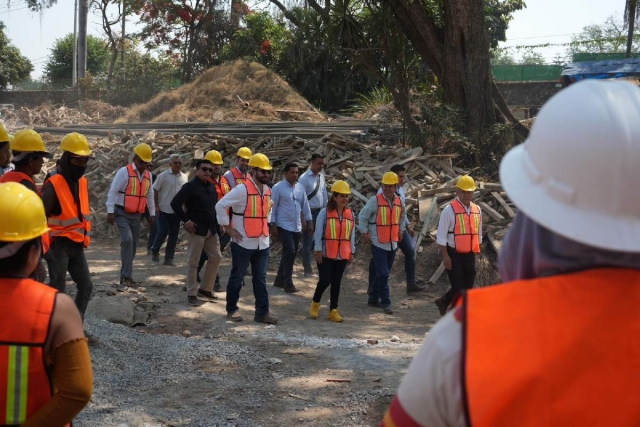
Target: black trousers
(462, 273)
(331, 271)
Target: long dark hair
(331, 204)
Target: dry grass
(214, 97)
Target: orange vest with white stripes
(68, 224)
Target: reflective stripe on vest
(388, 220)
(222, 186)
(554, 351)
(26, 307)
(255, 214)
(135, 194)
(238, 176)
(466, 228)
(337, 234)
(67, 224)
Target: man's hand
(274, 232)
(190, 227)
(111, 218)
(157, 210)
(367, 238)
(304, 224)
(310, 228)
(319, 257)
(446, 259)
(411, 232)
(234, 234)
(152, 220)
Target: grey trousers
(129, 227)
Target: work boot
(291, 290)
(334, 315)
(234, 317)
(155, 257)
(313, 311)
(442, 306)
(207, 294)
(267, 318)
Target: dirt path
(261, 390)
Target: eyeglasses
(206, 170)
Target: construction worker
(130, 193)
(563, 323)
(238, 174)
(251, 205)
(315, 186)
(165, 188)
(65, 196)
(222, 188)
(406, 243)
(459, 237)
(5, 151)
(334, 247)
(382, 221)
(290, 209)
(29, 153)
(45, 367)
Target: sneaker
(310, 274)
(334, 315)
(128, 281)
(415, 289)
(217, 287)
(207, 294)
(313, 311)
(374, 304)
(155, 257)
(387, 310)
(193, 301)
(442, 306)
(234, 317)
(267, 318)
(291, 290)
(169, 262)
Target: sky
(543, 21)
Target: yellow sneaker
(335, 315)
(313, 311)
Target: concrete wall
(528, 94)
(33, 98)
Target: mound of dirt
(222, 94)
(101, 112)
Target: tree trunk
(632, 6)
(83, 12)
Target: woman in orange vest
(334, 247)
(556, 345)
(45, 367)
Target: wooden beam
(436, 276)
(504, 204)
(490, 211)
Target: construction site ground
(247, 373)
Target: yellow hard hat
(76, 143)
(260, 161)
(244, 152)
(4, 136)
(29, 141)
(144, 152)
(22, 213)
(214, 157)
(466, 183)
(340, 187)
(390, 178)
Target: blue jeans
(289, 241)
(167, 224)
(240, 260)
(406, 247)
(379, 270)
(307, 244)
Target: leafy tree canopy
(14, 67)
(58, 69)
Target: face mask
(76, 172)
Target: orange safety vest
(15, 176)
(337, 234)
(135, 194)
(466, 230)
(26, 308)
(255, 214)
(68, 224)
(239, 177)
(222, 186)
(388, 219)
(554, 351)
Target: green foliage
(532, 58)
(378, 97)
(502, 57)
(498, 14)
(606, 38)
(14, 67)
(58, 69)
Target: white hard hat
(577, 172)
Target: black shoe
(193, 301)
(415, 289)
(387, 310)
(267, 318)
(217, 287)
(442, 306)
(374, 304)
(155, 258)
(169, 262)
(278, 284)
(291, 290)
(207, 294)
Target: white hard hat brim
(587, 227)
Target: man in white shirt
(459, 237)
(165, 188)
(315, 186)
(251, 206)
(130, 193)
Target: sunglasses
(206, 170)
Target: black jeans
(290, 241)
(331, 271)
(462, 273)
(66, 255)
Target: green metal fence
(526, 73)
